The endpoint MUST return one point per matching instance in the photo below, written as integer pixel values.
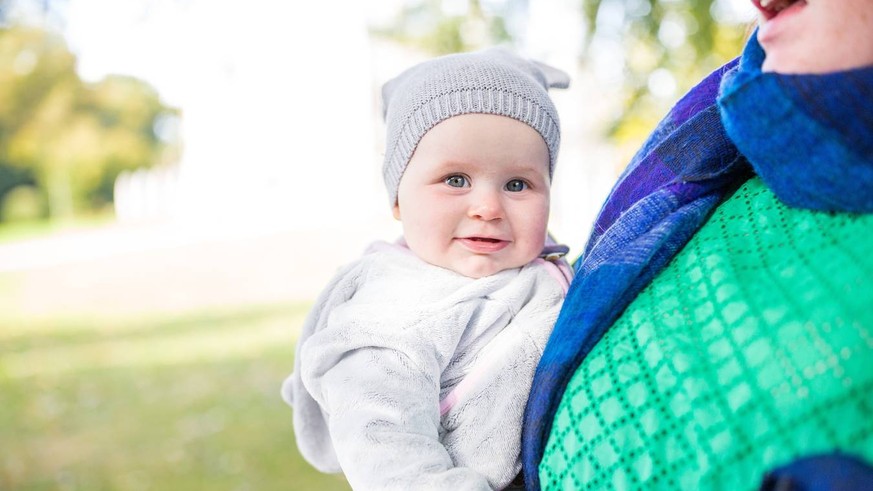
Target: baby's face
(475, 196)
(815, 36)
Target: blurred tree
(466, 26)
(69, 137)
(665, 46)
(660, 47)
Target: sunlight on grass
(39, 228)
(242, 340)
(187, 402)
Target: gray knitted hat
(493, 81)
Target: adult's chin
(811, 67)
(798, 59)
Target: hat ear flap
(387, 91)
(555, 78)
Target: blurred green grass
(33, 229)
(173, 402)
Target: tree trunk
(60, 195)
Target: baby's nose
(486, 205)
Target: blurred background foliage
(428, 25)
(63, 141)
(662, 46)
(668, 46)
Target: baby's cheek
(532, 250)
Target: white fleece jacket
(410, 376)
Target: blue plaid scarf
(809, 137)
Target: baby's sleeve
(378, 386)
(384, 423)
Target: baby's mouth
(771, 8)
(483, 245)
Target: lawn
(174, 402)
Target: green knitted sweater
(752, 348)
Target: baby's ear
(396, 211)
(555, 78)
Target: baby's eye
(457, 181)
(516, 185)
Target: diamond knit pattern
(752, 348)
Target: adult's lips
(771, 8)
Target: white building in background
(275, 100)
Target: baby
(414, 366)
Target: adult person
(719, 331)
